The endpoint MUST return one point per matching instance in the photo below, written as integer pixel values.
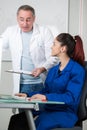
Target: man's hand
(36, 72)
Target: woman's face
(56, 48)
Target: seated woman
(64, 83)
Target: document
(19, 72)
(10, 97)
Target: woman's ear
(63, 49)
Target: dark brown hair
(74, 46)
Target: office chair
(82, 110)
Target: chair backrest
(82, 111)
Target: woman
(64, 83)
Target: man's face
(25, 20)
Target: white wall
(48, 12)
(78, 20)
(5, 88)
(84, 25)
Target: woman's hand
(38, 97)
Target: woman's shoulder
(77, 68)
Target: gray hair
(26, 8)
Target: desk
(27, 105)
(24, 105)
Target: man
(30, 46)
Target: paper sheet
(19, 72)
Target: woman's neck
(64, 61)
